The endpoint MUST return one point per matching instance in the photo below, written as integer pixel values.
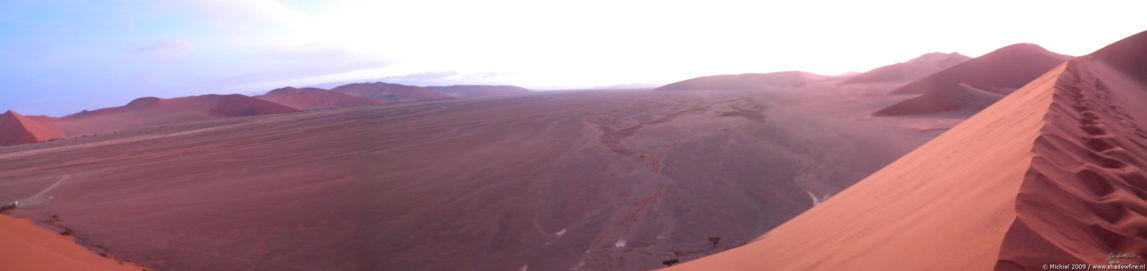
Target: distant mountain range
(745, 81)
(20, 129)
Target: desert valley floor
(593, 179)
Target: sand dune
(463, 91)
(1001, 71)
(155, 111)
(18, 129)
(746, 81)
(391, 92)
(963, 98)
(25, 246)
(911, 70)
(1084, 195)
(1051, 174)
(313, 98)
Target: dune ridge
(891, 219)
(1051, 174)
(1084, 195)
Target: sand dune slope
(944, 206)
(960, 98)
(25, 246)
(19, 129)
(1051, 174)
(1085, 195)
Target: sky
(58, 57)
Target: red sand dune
(19, 129)
(911, 70)
(463, 91)
(1001, 71)
(154, 111)
(313, 98)
(391, 92)
(962, 98)
(25, 246)
(1051, 174)
(746, 81)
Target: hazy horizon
(63, 57)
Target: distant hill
(463, 91)
(914, 69)
(312, 98)
(153, 111)
(746, 81)
(1000, 71)
(391, 92)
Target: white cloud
(596, 42)
(164, 50)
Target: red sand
(1051, 174)
(314, 98)
(911, 70)
(18, 129)
(25, 246)
(463, 91)
(1002, 71)
(391, 92)
(746, 81)
(1085, 195)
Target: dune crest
(1083, 197)
(919, 213)
(1051, 174)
